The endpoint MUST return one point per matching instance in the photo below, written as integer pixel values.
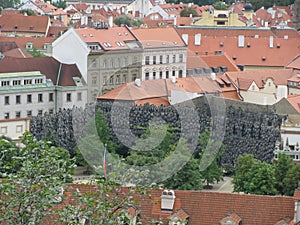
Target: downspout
(56, 85)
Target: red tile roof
(158, 37)
(295, 63)
(194, 61)
(226, 40)
(158, 91)
(218, 60)
(20, 23)
(244, 79)
(47, 8)
(46, 65)
(294, 100)
(112, 35)
(21, 41)
(17, 53)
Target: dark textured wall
(248, 128)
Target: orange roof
(17, 53)
(158, 37)
(21, 41)
(194, 61)
(153, 101)
(218, 60)
(295, 63)
(244, 79)
(226, 40)
(107, 38)
(294, 100)
(21, 23)
(184, 21)
(158, 91)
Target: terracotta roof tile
(21, 41)
(17, 53)
(158, 37)
(218, 60)
(295, 63)
(46, 65)
(21, 23)
(294, 100)
(195, 61)
(244, 79)
(112, 35)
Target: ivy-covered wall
(247, 128)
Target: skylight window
(120, 44)
(106, 44)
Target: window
(180, 57)
(19, 129)
(174, 58)
(69, 97)
(147, 60)
(27, 81)
(147, 76)
(124, 78)
(29, 98)
(18, 114)
(111, 80)
(134, 76)
(167, 74)
(161, 59)
(154, 59)
(173, 73)
(50, 97)
(104, 80)
(167, 59)
(6, 100)
(40, 112)
(3, 130)
(51, 111)
(5, 83)
(6, 115)
(154, 75)
(18, 99)
(94, 80)
(16, 82)
(160, 74)
(38, 81)
(79, 96)
(40, 97)
(118, 79)
(180, 74)
(29, 113)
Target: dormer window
(28, 45)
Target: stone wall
(248, 128)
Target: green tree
(187, 11)
(28, 195)
(281, 167)
(262, 179)
(9, 3)
(243, 172)
(28, 12)
(59, 4)
(126, 20)
(8, 150)
(291, 180)
(35, 52)
(213, 173)
(220, 5)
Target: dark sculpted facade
(241, 127)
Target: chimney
(241, 41)
(213, 76)
(197, 39)
(175, 21)
(185, 38)
(167, 200)
(110, 21)
(271, 44)
(138, 82)
(297, 204)
(174, 79)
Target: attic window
(221, 44)
(106, 44)
(263, 58)
(126, 34)
(234, 57)
(278, 46)
(120, 44)
(16, 27)
(91, 35)
(31, 28)
(120, 34)
(248, 45)
(175, 42)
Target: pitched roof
(46, 65)
(244, 79)
(158, 91)
(295, 63)
(21, 23)
(112, 36)
(217, 60)
(194, 61)
(226, 40)
(294, 100)
(212, 207)
(158, 37)
(17, 53)
(48, 8)
(22, 41)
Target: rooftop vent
(138, 82)
(167, 200)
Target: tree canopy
(9, 3)
(187, 11)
